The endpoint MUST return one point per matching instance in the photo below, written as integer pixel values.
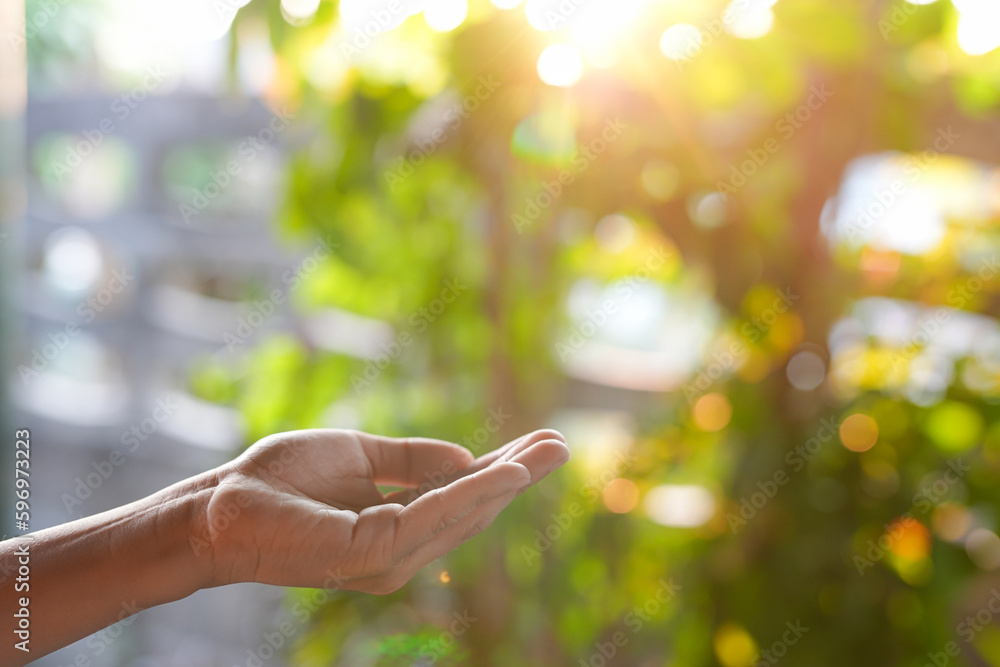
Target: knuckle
(478, 526)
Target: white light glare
(445, 15)
(560, 65)
(680, 505)
(681, 41)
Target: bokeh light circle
(806, 370)
(660, 179)
(951, 521)
(859, 432)
(73, 260)
(680, 505)
(560, 65)
(712, 412)
(707, 210)
(681, 41)
(614, 233)
(445, 15)
(983, 547)
(734, 647)
(299, 9)
(620, 495)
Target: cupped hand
(303, 508)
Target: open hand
(302, 508)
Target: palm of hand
(303, 508)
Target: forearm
(84, 575)
(301, 508)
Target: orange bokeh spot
(621, 495)
(951, 522)
(712, 412)
(880, 268)
(911, 539)
(859, 432)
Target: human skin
(300, 508)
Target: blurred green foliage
(406, 220)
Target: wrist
(222, 542)
(116, 563)
(169, 545)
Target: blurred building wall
(13, 94)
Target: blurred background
(744, 256)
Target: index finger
(539, 451)
(412, 462)
(436, 510)
(525, 450)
